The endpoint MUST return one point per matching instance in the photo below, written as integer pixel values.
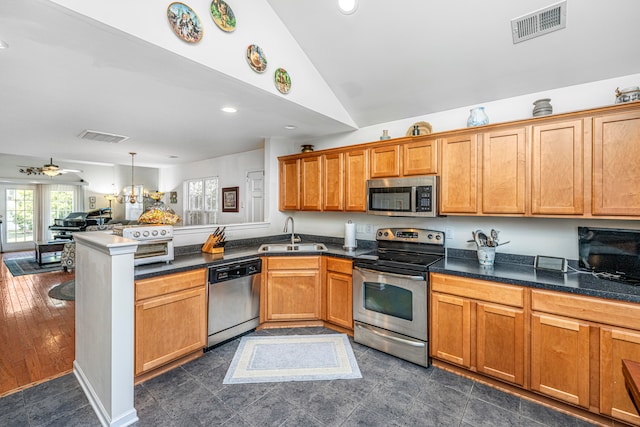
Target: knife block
(214, 250)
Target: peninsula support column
(105, 325)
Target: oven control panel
(413, 235)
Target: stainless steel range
(390, 292)
(155, 242)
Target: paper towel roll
(350, 241)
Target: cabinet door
(616, 164)
(293, 295)
(333, 182)
(339, 299)
(500, 342)
(504, 161)
(289, 197)
(420, 157)
(451, 329)
(617, 344)
(459, 184)
(169, 327)
(311, 183)
(355, 180)
(385, 161)
(560, 358)
(557, 185)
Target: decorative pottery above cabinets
(184, 22)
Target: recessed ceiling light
(4, 44)
(229, 110)
(290, 127)
(348, 6)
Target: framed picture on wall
(230, 199)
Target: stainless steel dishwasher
(234, 299)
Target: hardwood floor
(37, 333)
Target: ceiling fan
(49, 169)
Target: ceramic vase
(477, 117)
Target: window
(20, 215)
(61, 204)
(201, 201)
(132, 211)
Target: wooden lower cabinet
(339, 292)
(617, 344)
(487, 337)
(292, 288)
(500, 342)
(451, 329)
(170, 319)
(560, 349)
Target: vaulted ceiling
(64, 73)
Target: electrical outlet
(368, 228)
(449, 234)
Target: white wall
(553, 237)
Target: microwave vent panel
(540, 22)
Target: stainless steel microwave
(402, 196)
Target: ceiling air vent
(542, 21)
(93, 135)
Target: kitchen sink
(288, 247)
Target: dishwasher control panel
(235, 270)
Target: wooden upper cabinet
(289, 198)
(355, 180)
(504, 162)
(333, 182)
(459, 183)
(385, 161)
(557, 169)
(420, 157)
(616, 164)
(311, 183)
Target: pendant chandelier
(132, 195)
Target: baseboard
(128, 418)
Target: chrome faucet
(294, 239)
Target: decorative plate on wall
(185, 22)
(256, 58)
(282, 80)
(223, 15)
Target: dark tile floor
(391, 393)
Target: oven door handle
(403, 276)
(153, 241)
(392, 338)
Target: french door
(18, 207)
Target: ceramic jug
(477, 117)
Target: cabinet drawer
(162, 285)
(292, 263)
(340, 265)
(626, 315)
(478, 289)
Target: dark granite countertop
(190, 258)
(519, 270)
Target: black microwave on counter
(414, 196)
(610, 250)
